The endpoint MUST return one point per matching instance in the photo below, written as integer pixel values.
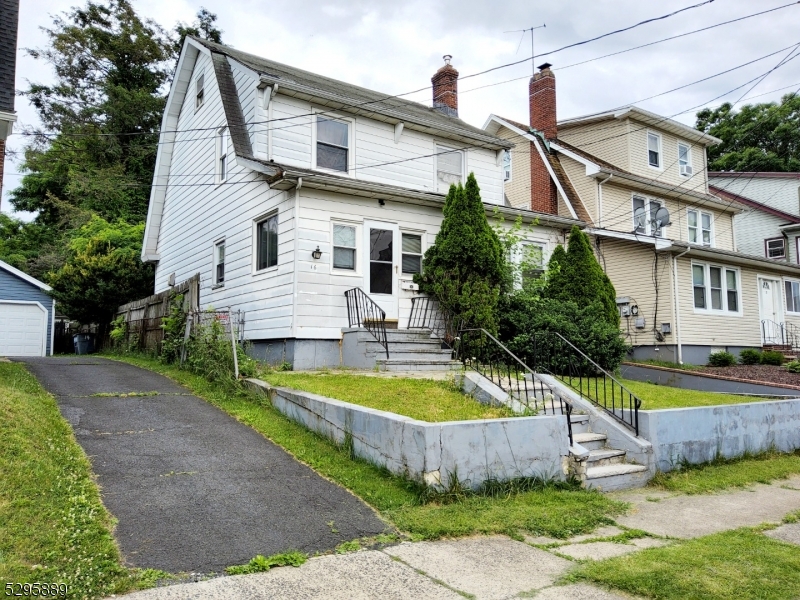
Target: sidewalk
(499, 568)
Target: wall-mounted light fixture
(382, 202)
(317, 254)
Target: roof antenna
(522, 31)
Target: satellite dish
(639, 218)
(661, 219)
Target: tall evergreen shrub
(465, 268)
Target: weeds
(351, 546)
(260, 563)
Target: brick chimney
(542, 101)
(445, 88)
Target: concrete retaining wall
(700, 434)
(431, 452)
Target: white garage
(26, 314)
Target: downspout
(677, 304)
(600, 199)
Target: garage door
(23, 329)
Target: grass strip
(53, 525)
(422, 399)
(553, 510)
(723, 473)
(740, 564)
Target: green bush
(772, 357)
(209, 353)
(527, 327)
(721, 359)
(174, 326)
(750, 357)
(793, 366)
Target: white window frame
(724, 282)
(222, 143)
(199, 91)
(786, 297)
(649, 216)
(766, 248)
(351, 138)
(688, 158)
(518, 255)
(422, 235)
(507, 156)
(356, 271)
(700, 228)
(215, 282)
(254, 242)
(440, 148)
(660, 166)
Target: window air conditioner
(686, 169)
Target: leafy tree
(580, 279)
(465, 268)
(102, 271)
(204, 26)
(759, 137)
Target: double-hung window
(792, 289)
(344, 247)
(506, 165)
(412, 253)
(715, 288)
(199, 91)
(644, 216)
(532, 265)
(684, 160)
(219, 263)
(267, 243)
(654, 150)
(333, 144)
(222, 154)
(775, 248)
(449, 168)
(699, 227)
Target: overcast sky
(395, 47)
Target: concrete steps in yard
(409, 350)
(604, 468)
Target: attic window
(449, 168)
(222, 154)
(654, 150)
(199, 89)
(506, 165)
(333, 144)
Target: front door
(383, 257)
(769, 296)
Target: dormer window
(333, 144)
(654, 150)
(449, 168)
(199, 91)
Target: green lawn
(655, 397)
(53, 526)
(723, 474)
(742, 564)
(423, 399)
(555, 510)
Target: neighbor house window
(199, 91)
(219, 263)
(644, 215)
(412, 253)
(532, 265)
(222, 154)
(716, 288)
(654, 150)
(344, 247)
(792, 289)
(776, 248)
(333, 144)
(267, 243)
(684, 160)
(506, 165)
(699, 227)
(449, 168)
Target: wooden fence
(143, 317)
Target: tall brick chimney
(445, 88)
(542, 102)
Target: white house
(284, 189)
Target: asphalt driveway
(193, 489)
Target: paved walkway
(498, 568)
(193, 489)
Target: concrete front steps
(604, 468)
(409, 350)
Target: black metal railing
(553, 354)
(427, 313)
(363, 312)
(780, 334)
(480, 351)
(792, 335)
